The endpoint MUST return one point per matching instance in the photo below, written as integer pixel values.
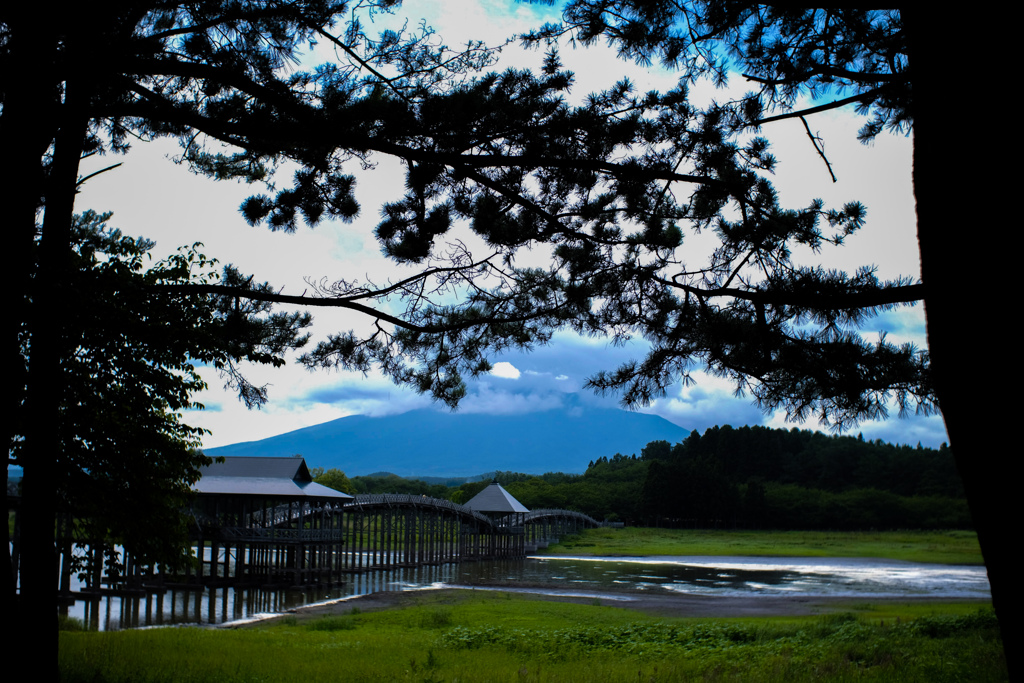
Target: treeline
(751, 477)
(755, 477)
(816, 460)
(457, 490)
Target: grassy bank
(950, 547)
(479, 636)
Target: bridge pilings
(248, 541)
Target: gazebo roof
(494, 498)
(263, 476)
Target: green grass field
(437, 636)
(950, 547)
(491, 636)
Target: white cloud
(709, 402)
(505, 370)
(488, 400)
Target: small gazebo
(508, 515)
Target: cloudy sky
(153, 197)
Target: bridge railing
(286, 513)
(534, 515)
(405, 499)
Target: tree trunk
(41, 448)
(27, 125)
(952, 195)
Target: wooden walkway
(318, 543)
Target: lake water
(588, 576)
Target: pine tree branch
(882, 296)
(237, 15)
(818, 149)
(856, 76)
(538, 161)
(237, 133)
(419, 277)
(328, 302)
(390, 82)
(870, 94)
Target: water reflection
(774, 576)
(588, 576)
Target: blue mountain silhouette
(440, 444)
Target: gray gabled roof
(494, 498)
(265, 477)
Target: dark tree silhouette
(887, 65)
(130, 351)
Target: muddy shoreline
(660, 604)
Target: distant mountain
(442, 444)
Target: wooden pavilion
(509, 517)
(264, 521)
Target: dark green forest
(745, 478)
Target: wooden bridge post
(385, 538)
(373, 529)
(422, 537)
(394, 538)
(429, 531)
(360, 558)
(350, 538)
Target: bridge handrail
(389, 499)
(284, 512)
(548, 512)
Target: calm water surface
(589, 576)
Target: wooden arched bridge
(264, 522)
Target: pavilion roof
(495, 498)
(265, 476)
